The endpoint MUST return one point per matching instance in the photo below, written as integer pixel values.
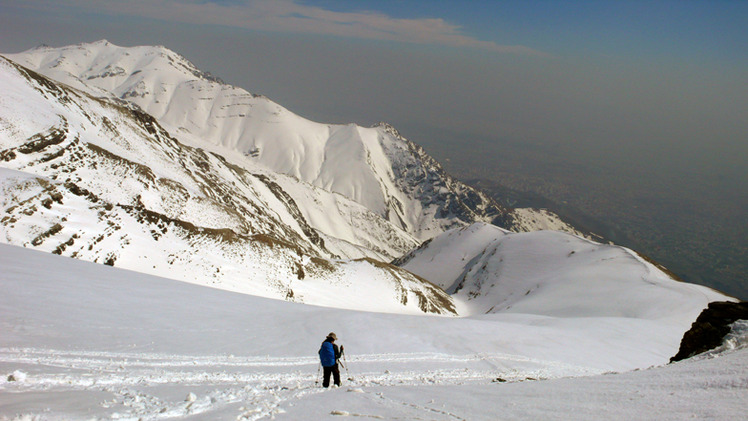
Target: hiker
(328, 357)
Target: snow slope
(375, 166)
(490, 270)
(703, 389)
(87, 341)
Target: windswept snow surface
(86, 341)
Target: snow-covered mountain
(375, 166)
(100, 180)
(141, 161)
(133, 158)
(491, 270)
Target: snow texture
(96, 342)
(489, 270)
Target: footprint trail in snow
(160, 386)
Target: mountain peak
(127, 72)
(387, 127)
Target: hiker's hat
(332, 335)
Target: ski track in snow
(254, 387)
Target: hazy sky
(651, 84)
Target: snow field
(105, 342)
(709, 389)
(135, 386)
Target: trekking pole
(316, 380)
(346, 366)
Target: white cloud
(288, 16)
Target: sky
(597, 79)
(651, 89)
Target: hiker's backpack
(327, 354)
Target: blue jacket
(328, 354)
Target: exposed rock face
(710, 328)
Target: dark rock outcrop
(710, 328)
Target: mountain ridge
(489, 270)
(249, 125)
(108, 184)
(310, 227)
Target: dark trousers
(335, 371)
